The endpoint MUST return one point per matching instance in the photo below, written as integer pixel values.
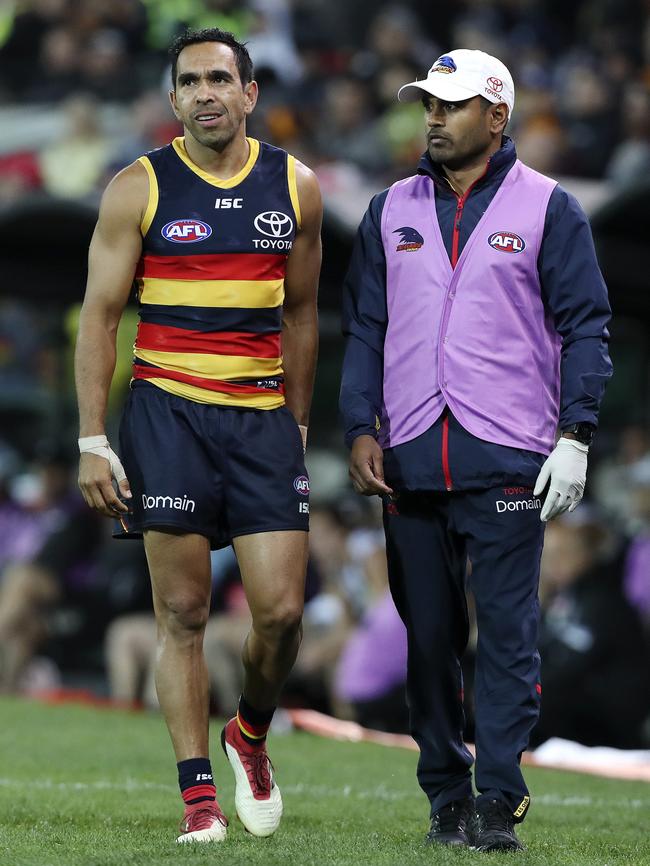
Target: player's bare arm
(300, 313)
(114, 253)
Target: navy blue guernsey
(211, 277)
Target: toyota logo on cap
(495, 83)
(273, 224)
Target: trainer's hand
(98, 466)
(565, 472)
(367, 466)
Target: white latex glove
(566, 468)
(99, 445)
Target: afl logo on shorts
(507, 242)
(273, 224)
(301, 485)
(187, 231)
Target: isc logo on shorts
(301, 485)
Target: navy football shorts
(211, 470)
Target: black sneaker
(494, 828)
(449, 825)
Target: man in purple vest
(476, 324)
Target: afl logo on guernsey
(186, 231)
(507, 242)
(301, 485)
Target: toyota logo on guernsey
(186, 231)
(507, 242)
(275, 225)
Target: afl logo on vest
(186, 231)
(507, 242)
(301, 485)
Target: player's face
(458, 133)
(210, 100)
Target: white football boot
(203, 822)
(257, 798)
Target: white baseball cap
(462, 74)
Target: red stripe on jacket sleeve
(165, 338)
(215, 266)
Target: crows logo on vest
(410, 239)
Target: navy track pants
(429, 537)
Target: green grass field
(88, 787)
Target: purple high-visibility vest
(476, 337)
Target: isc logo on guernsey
(186, 231)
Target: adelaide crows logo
(411, 240)
(444, 64)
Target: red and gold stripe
(140, 372)
(250, 294)
(253, 732)
(166, 338)
(214, 266)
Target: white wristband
(87, 443)
(303, 433)
(99, 445)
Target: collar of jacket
(498, 165)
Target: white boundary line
(381, 792)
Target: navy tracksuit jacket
(462, 498)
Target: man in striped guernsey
(221, 235)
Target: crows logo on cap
(444, 64)
(411, 239)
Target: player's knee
(185, 612)
(281, 624)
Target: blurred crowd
(328, 73)
(75, 604)
(83, 92)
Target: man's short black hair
(213, 34)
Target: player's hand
(98, 466)
(565, 472)
(367, 466)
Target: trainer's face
(460, 133)
(210, 100)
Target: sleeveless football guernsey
(211, 277)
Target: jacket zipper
(445, 453)
(456, 235)
(459, 215)
(454, 259)
(445, 421)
